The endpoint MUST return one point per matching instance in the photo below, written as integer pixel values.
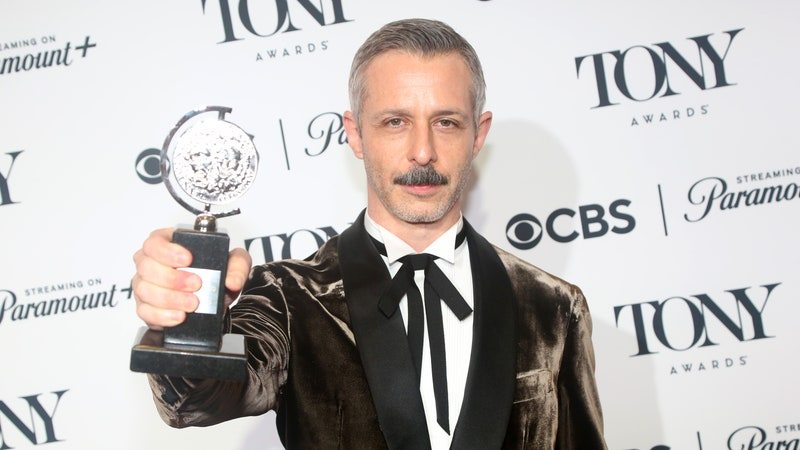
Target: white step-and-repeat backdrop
(647, 152)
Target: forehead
(400, 79)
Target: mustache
(418, 176)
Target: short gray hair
(420, 37)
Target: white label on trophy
(209, 291)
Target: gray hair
(421, 37)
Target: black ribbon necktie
(437, 288)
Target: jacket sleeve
(261, 314)
(580, 419)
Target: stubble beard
(409, 212)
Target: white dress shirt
(455, 264)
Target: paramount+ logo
(525, 231)
(267, 18)
(618, 73)
(758, 438)
(712, 194)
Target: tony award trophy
(213, 162)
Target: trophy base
(151, 355)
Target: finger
(159, 247)
(157, 318)
(150, 270)
(239, 263)
(161, 298)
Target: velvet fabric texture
(340, 376)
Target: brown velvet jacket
(340, 376)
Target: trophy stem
(205, 223)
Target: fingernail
(193, 282)
(182, 258)
(192, 303)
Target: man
(340, 346)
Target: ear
(353, 134)
(484, 123)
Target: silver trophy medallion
(211, 160)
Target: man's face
(417, 136)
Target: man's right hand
(165, 294)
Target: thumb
(239, 263)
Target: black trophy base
(152, 355)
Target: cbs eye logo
(524, 231)
(148, 166)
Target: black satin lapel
(381, 343)
(489, 394)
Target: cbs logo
(524, 231)
(148, 166)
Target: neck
(418, 235)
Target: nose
(422, 151)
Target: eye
(394, 122)
(447, 123)
(148, 166)
(524, 231)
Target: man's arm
(165, 294)
(580, 421)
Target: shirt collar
(443, 247)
